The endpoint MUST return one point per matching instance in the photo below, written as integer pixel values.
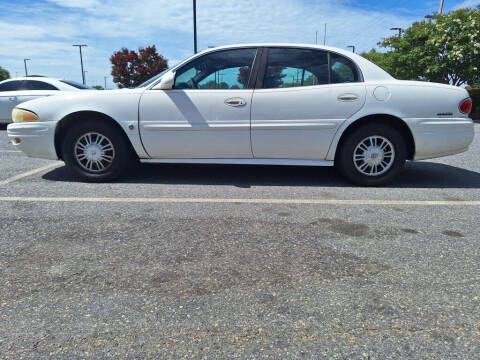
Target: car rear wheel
(372, 155)
(95, 152)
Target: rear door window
(292, 67)
(11, 85)
(37, 85)
(342, 70)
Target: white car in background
(273, 104)
(18, 90)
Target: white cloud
(83, 4)
(109, 24)
(467, 4)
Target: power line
(377, 19)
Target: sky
(44, 30)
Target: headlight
(20, 115)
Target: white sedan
(270, 104)
(18, 90)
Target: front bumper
(441, 137)
(37, 139)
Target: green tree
(98, 87)
(445, 50)
(384, 60)
(274, 77)
(4, 74)
(310, 80)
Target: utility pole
(397, 29)
(440, 11)
(105, 79)
(194, 26)
(316, 37)
(25, 64)
(81, 62)
(351, 46)
(325, 35)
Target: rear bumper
(440, 137)
(37, 139)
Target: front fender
(119, 105)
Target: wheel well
(393, 121)
(71, 119)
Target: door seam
(251, 109)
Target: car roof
(41, 78)
(53, 81)
(370, 71)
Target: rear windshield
(75, 84)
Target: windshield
(152, 79)
(75, 84)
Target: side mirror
(167, 82)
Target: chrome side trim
(241, 161)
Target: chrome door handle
(236, 101)
(347, 97)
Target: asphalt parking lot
(223, 262)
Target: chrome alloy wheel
(94, 152)
(374, 155)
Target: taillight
(466, 106)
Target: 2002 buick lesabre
(272, 104)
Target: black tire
(346, 165)
(121, 154)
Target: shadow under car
(420, 174)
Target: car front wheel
(372, 155)
(95, 152)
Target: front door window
(229, 69)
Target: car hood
(108, 102)
(82, 95)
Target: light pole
(81, 62)
(440, 11)
(397, 29)
(194, 26)
(351, 46)
(325, 34)
(316, 37)
(25, 64)
(84, 78)
(105, 79)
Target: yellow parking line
(242, 201)
(31, 172)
